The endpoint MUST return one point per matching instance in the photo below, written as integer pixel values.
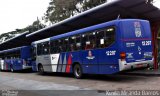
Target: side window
(66, 47)
(39, 49)
(89, 41)
(105, 37)
(52, 47)
(60, 45)
(84, 41)
(33, 52)
(92, 40)
(100, 39)
(78, 42)
(72, 43)
(46, 48)
(109, 36)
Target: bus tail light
(123, 55)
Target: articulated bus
(16, 59)
(105, 48)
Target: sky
(21, 13)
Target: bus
(106, 48)
(15, 59)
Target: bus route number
(146, 43)
(111, 53)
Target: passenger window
(46, 48)
(89, 41)
(109, 36)
(84, 41)
(66, 45)
(78, 42)
(43, 48)
(52, 47)
(92, 40)
(72, 43)
(33, 53)
(59, 46)
(100, 39)
(105, 37)
(39, 52)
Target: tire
(77, 70)
(11, 68)
(41, 69)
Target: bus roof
(13, 49)
(80, 31)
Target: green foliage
(88, 4)
(37, 25)
(59, 10)
(31, 28)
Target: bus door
(33, 57)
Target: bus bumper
(123, 65)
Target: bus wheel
(40, 69)
(12, 70)
(78, 71)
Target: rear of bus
(136, 44)
(26, 57)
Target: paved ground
(33, 81)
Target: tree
(36, 25)
(149, 1)
(59, 10)
(88, 4)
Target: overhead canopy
(103, 13)
(100, 14)
(20, 40)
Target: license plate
(139, 65)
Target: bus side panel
(17, 64)
(6, 65)
(108, 61)
(63, 62)
(90, 61)
(73, 57)
(45, 60)
(26, 55)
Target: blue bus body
(16, 58)
(132, 48)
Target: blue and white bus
(16, 59)
(105, 48)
